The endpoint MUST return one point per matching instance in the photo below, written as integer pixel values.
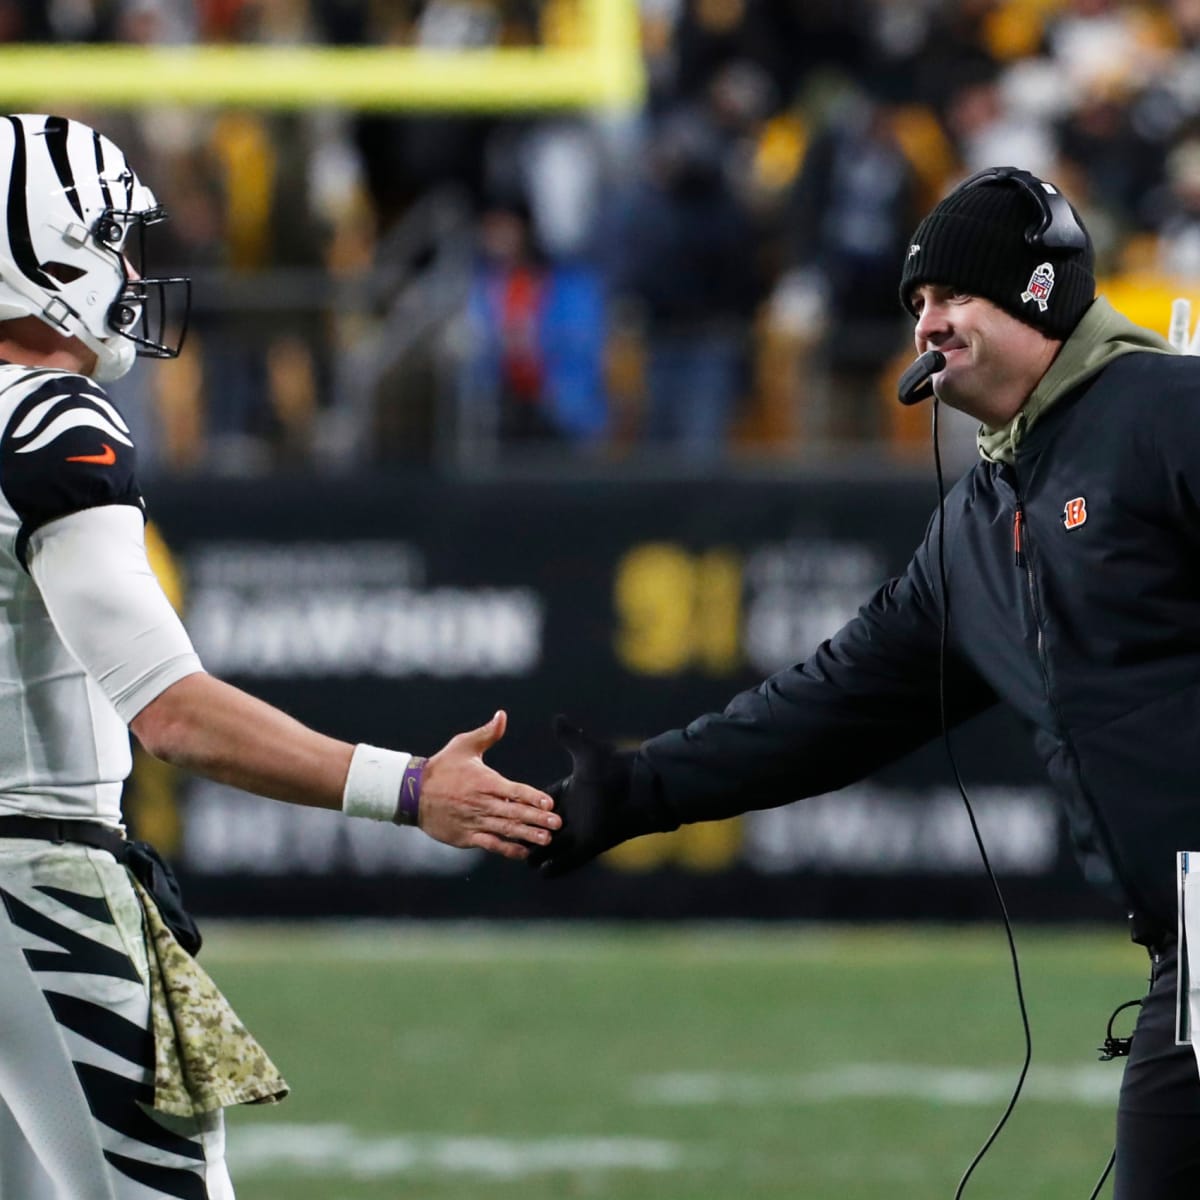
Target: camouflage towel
(204, 1057)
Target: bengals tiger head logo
(1075, 512)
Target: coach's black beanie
(974, 240)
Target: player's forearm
(216, 730)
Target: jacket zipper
(1023, 561)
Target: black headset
(1057, 230)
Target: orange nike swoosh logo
(105, 460)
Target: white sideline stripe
(341, 1150)
(1091, 1086)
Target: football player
(90, 648)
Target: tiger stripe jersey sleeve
(65, 448)
(66, 455)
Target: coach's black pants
(1158, 1118)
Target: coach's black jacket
(1074, 580)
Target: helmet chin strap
(114, 358)
(115, 355)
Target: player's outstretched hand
(465, 803)
(593, 801)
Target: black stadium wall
(401, 612)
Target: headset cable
(983, 854)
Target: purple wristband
(408, 811)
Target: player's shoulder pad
(65, 447)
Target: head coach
(1071, 553)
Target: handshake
(594, 801)
(459, 800)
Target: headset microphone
(916, 384)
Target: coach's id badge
(1187, 998)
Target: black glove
(593, 801)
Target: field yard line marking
(1091, 1086)
(341, 1150)
(796, 946)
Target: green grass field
(670, 1062)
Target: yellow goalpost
(604, 70)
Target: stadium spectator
(985, 128)
(686, 274)
(154, 22)
(1121, 149)
(1179, 227)
(781, 42)
(534, 364)
(945, 43)
(854, 204)
(1057, 579)
(25, 21)
(94, 1101)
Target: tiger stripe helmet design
(75, 215)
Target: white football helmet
(66, 255)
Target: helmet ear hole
(63, 272)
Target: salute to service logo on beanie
(982, 239)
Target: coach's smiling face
(993, 361)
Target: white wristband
(373, 783)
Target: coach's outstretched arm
(870, 694)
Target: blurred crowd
(710, 278)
